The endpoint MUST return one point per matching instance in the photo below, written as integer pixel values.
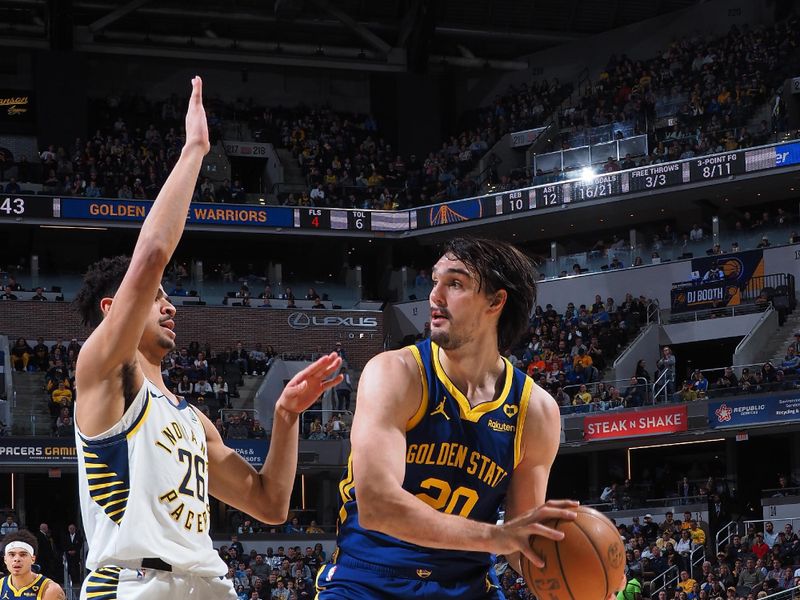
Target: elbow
(372, 511)
(274, 514)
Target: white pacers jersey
(144, 491)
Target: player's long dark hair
(500, 266)
(102, 280)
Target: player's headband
(19, 546)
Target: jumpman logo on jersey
(439, 410)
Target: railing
(790, 594)
(571, 390)
(586, 156)
(776, 492)
(667, 579)
(661, 384)
(758, 524)
(716, 313)
(725, 535)
(322, 412)
(673, 500)
(696, 558)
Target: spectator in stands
(61, 397)
(185, 387)
(633, 395)
(39, 295)
(240, 357)
(64, 426)
(582, 397)
(641, 371)
(686, 393)
(791, 361)
(220, 392)
(179, 290)
(728, 383)
(203, 387)
(258, 361)
(8, 294)
(20, 355)
(686, 583)
(770, 535)
(237, 428)
(257, 432)
(41, 355)
(343, 390)
(750, 577)
(9, 526)
(667, 364)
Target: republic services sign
(652, 421)
(304, 320)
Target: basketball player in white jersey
(147, 460)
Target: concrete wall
(709, 329)
(645, 346)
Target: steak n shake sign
(304, 320)
(670, 419)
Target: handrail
(789, 594)
(715, 313)
(765, 315)
(794, 489)
(701, 550)
(671, 573)
(729, 530)
(662, 387)
(642, 331)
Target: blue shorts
(351, 579)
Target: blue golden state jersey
(35, 589)
(459, 460)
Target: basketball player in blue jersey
(19, 554)
(147, 460)
(446, 432)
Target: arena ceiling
(391, 35)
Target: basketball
(587, 564)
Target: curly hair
(498, 265)
(22, 535)
(102, 280)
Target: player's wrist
(285, 413)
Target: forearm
(278, 473)
(399, 514)
(163, 227)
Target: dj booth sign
(708, 294)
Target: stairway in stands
(294, 180)
(30, 414)
(780, 340)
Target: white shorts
(115, 583)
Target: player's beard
(166, 344)
(449, 340)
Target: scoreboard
(351, 221)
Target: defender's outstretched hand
(196, 124)
(305, 387)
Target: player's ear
(498, 300)
(105, 305)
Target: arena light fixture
(587, 174)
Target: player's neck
(474, 368)
(22, 581)
(151, 367)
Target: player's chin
(167, 342)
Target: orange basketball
(587, 564)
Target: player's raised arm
(123, 314)
(389, 395)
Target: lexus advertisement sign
(305, 320)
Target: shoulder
(541, 433)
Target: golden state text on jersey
(144, 491)
(459, 460)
